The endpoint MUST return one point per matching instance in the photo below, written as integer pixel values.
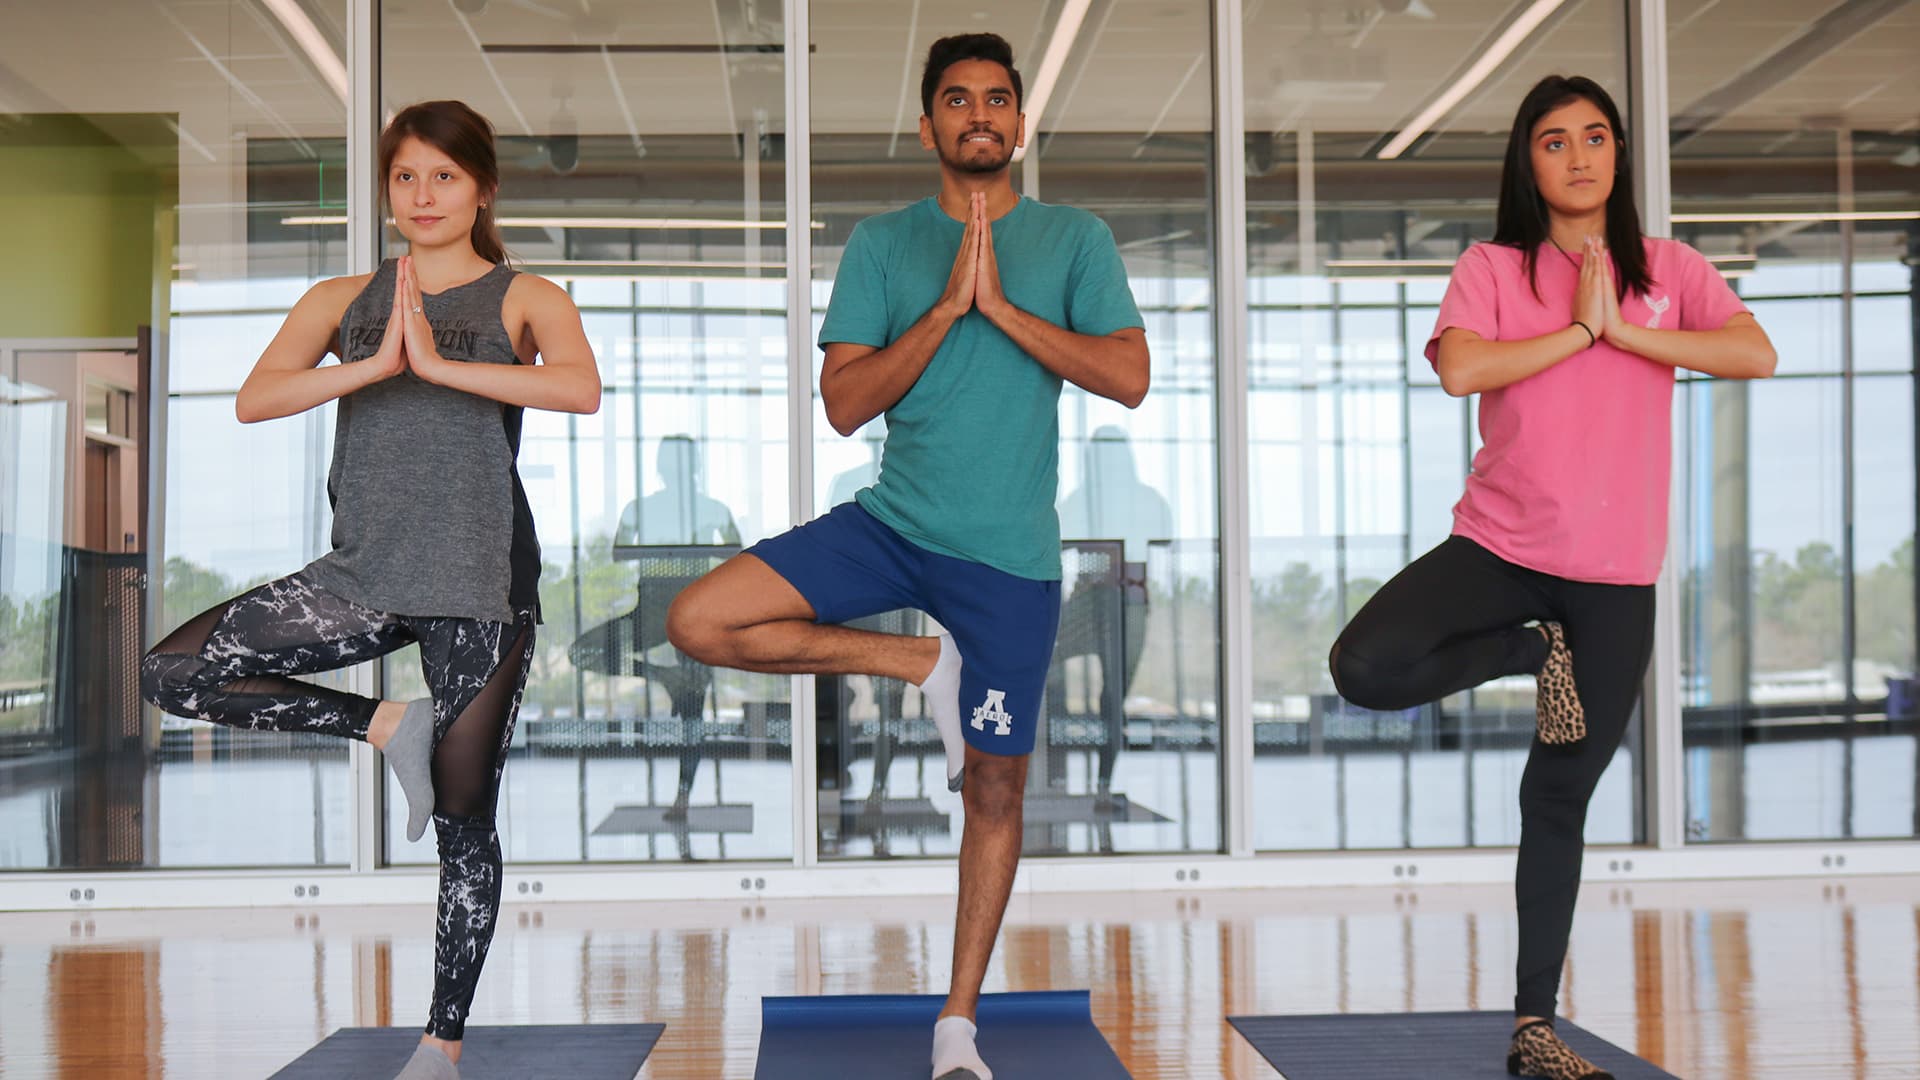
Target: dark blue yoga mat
(575, 1051)
(1045, 1035)
(1385, 1046)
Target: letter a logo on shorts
(995, 710)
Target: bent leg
(746, 616)
(230, 664)
(1452, 619)
(753, 615)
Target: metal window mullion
(1231, 404)
(799, 232)
(366, 807)
(1913, 424)
(159, 411)
(1849, 614)
(1663, 770)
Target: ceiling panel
(1338, 66)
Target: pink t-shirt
(1573, 474)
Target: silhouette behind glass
(834, 695)
(635, 644)
(1110, 503)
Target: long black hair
(1522, 222)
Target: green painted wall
(77, 228)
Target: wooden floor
(1798, 979)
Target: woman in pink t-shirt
(1569, 325)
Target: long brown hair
(454, 129)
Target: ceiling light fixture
(300, 26)
(1470, 80)
(581, 222)
(1059, 43)
(1768, 219)
(1404, 264)
(585, 265)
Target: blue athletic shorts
(848, 564)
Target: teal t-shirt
(972, 459)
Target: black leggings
(1455, 619)
(230, 665)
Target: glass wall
(1120, 125)
(144, 177)
(33, 425)
(646, 172)
(1363, 185)
(1793, 168)
(185, 171)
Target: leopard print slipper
(1557, 708)
(1537, 1051)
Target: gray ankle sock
(410, 753)
(429, 1062)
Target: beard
(961, 160)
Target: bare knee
(995, 789)
(694, 629)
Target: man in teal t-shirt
(972, 460)
(958, 317)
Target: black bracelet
(1590, 338)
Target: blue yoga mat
(1026, 1036)
(1386, 1046)
(575, 1051)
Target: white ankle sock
(942, 690)
(953, 1050)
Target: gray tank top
(429, 517)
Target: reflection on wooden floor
(1794, 979)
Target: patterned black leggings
(230, 665)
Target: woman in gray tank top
(433, 543)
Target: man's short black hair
(949, 51)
